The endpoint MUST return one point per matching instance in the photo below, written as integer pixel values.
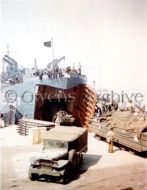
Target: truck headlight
(34, 161)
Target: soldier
(130, 106)
(114, 105)
(24, 116)
(58, 118)
(2, 121)
(68, 70)
(110, 138)
(11, 115)
(100, 108)
(98, 111)
(49, 74)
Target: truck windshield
(55, 144)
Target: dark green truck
(61, 154)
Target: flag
(48, 44)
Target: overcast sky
(108, 37)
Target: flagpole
(52, 45)
(94, 84)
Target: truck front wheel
(66, 175)
(80, 159)
(33, 176)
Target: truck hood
(52, 154)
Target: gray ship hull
(22, 95)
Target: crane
(55, 62)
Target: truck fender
(72, 156)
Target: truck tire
(33, 176)
(66, 174)
(80, 159)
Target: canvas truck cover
(67, 134)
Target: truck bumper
(48, 172)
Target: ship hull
(22, 95)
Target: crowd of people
(103, 108)
(56, 72)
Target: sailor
(53, 74)
(41, 75)
(79, 69)
(110, 138)
(49, 74)
(60, 72)
(68, 69)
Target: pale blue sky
(108, 37)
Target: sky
(108, 38)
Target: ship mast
(52, 46)
(8, 49)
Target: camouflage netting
(125, 120)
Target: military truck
(61, 155)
